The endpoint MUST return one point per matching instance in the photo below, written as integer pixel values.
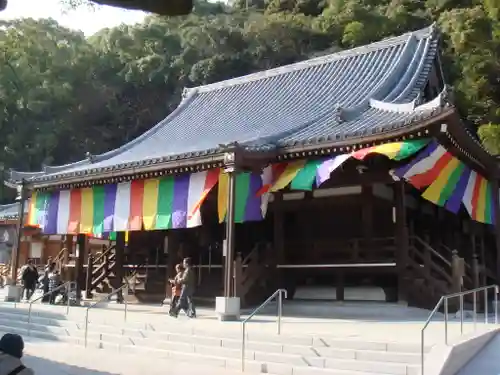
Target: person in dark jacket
(45, 281)
(54, 283)
(11, 352)
(188, 283)
(29, 279)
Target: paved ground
(486, 362)
(61, 359)
(366, 321)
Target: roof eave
(471, 148)
(415, 129)
(177, 166)
(192, 164)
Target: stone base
(227, 308)
(12, 293)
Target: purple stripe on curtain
(50, 226)
(109, 206)
(454, 202)
(400, 172)
(253, 211)
(180, 201)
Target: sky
(87, 20)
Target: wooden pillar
(279, 236)
(88, 276)
(402, 240)
(238, 277)
(68, 243)
(475, 271)
(14, 262)
(81, 241)
(174, 243)
(496, 215)
(367, 211)
(230, 233)
(486, 265)
(118, 268)
(458, 271)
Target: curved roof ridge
(409, 107)
(393, 107)
(438, 101)
(397, 66)
(59, 168)
(385, 43)
(8, 205)
(20, 175)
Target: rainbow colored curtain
(174, 201)
(449, 183)
(159, 203)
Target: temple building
(344, 173)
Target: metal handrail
(105, 298)
(66, 285)
(444, 299)
(279, 293)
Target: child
(176, 287)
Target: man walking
(188, 284)
(29, 277)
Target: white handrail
(66, 285)
(444, 299)
(105, 298)
(279, 293)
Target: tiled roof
(342, 96)
(11, 211)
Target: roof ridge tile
(305, 64)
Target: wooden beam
(118, 268)
(367, 211)
(402, 240)
(81, 241)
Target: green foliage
(490, 136)
(64, 95)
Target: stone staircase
(214, 344)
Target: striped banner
(449, 183)
(248, 205)
(304, 174)
(160, 203)
(174, 201)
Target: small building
(344, 173)
(35, 245)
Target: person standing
(11, 352)
(176, 287)
(54, 283)
(29, 278)
(188, 283)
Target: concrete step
(285, 343)
(214, 345)
(261, 351)
(279, 354)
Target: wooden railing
(431, 274)
(469, 277)
(98, 269)
(250, 270)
